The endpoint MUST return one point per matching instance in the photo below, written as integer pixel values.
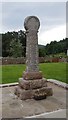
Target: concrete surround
(13, 107)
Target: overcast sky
(52, 17)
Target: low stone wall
(63, 60)
(22, 60)
(10, 60)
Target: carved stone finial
(31, 23)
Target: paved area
(13, 107)
(56, 114)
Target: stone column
(32, 84)
(32, 24)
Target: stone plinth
(24, 93)
(32, 82)
(28, 88)
(32, 75)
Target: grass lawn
(11, 73)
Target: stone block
(32, 75)
(26, 94)
(18, 91)
(24, 84)
(32, 84)
(44, 90)
(39, 96)
(23, 94)
(29, 94)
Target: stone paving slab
(13, 107)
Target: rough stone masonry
(32, 82)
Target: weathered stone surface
(23, 94)
(32, 75)
(29, 94)
(24, 84)
(44, 90)
(18, 91)
(39, 96)
(32, 25)
(32, 84)
(26, 94)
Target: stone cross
(32, 24)
(32, 84)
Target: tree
(15, 48)
(42, 52)
(22, 38)
(53, 48)
(7, 39)
(56, 47)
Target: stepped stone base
(32, 84)
(28, 89)
(32, 75)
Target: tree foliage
(57, 47)
(14, 44)
(13, 37)
(42, 52)
(15, 48)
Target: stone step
(39, 96)
(32, 84)
(44, 90)
(29, 94)
(32, 75)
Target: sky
(52, 16)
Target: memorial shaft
(32, 25)
(32, 51)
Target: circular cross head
(31, 23)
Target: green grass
(54, 71)
(11, 73)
